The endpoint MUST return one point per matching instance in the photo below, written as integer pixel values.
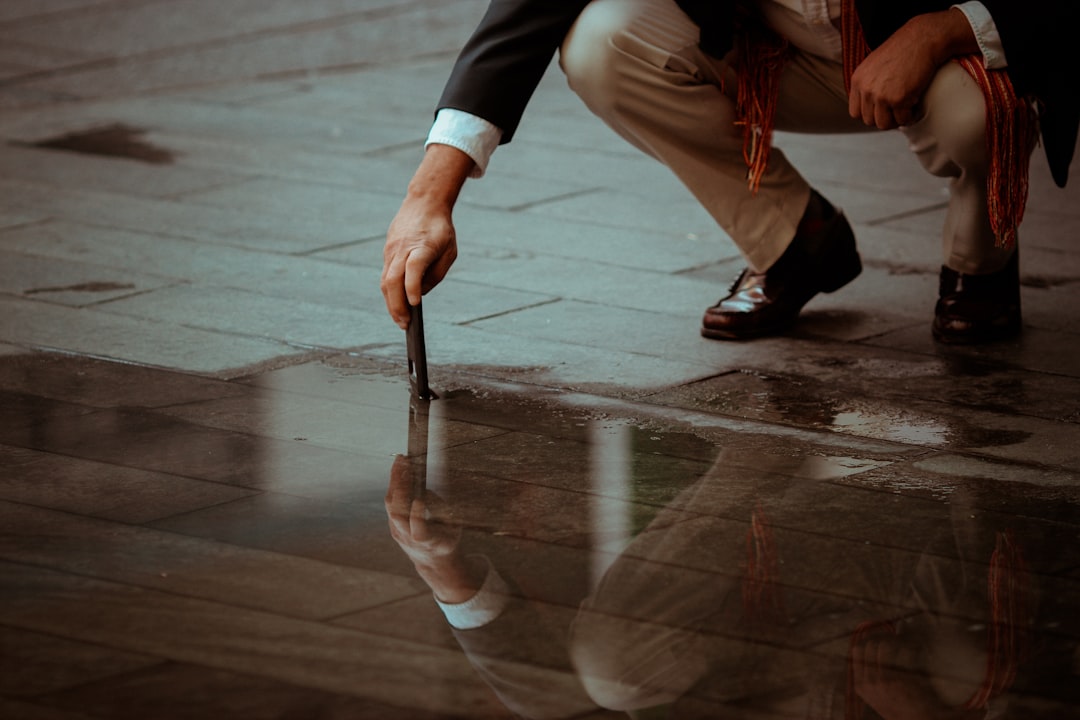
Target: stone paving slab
(317, 421)
(117, 30)
(178, 691)
(277, 160)
(40, 325)
(246, 314)
(18, 216)
(155, 446)
(609, 163)
(483, 233)
(197, 222)
(608, 286)
(980, 470)
(196, 261)
(544, 363)
(147, 558)
(18, 58)
(313, 205)
(407, 95)
(20, 11)
(103, 490)
(872, 161)
(246, 125)
(32, 711)
(69, 283)
(648, 333)
(841, 407)
(100, 383)
(1039, 350)
(69, 171)
(362, 39)
(1050, 230)
(35, 664)
(841, 372)
(306, 653)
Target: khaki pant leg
(950, 141)
(637, 65)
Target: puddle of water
(588, 559)
(116, 140)
(892, 427)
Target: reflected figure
(487, 615)
(736, 601)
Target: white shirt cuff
(482, 608)
(986, 33)
(471, 134)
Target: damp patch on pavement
(117, 140)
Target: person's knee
(627, 665)
(950, 140)
(588, 55)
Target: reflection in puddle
(762, 586)
(931, 414)
(882, 427)
(596, 559)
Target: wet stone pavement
(177, 546)
(219, 500)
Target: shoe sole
(1010, 332)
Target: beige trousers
(637, 65)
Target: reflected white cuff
(482, 608)
(471, 134)
(986, 34)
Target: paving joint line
(549, 200)
(502, 313)
(908, 213)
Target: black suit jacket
(501, 64)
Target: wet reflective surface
(175, 546)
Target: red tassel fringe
(1011, 130)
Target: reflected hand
(417, 518)
(419, 523)
(893, 693)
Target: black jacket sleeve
(502, 63)
(1038, 38)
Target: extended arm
(493, 79)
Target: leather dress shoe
(978, 308)
(821, 258)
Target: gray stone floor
(203, 399)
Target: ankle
(817, 214)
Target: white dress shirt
(482, 608)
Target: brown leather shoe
(821, 258)
(978, 308)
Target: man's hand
(420, 244)
(421, 526)
(887, 87)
